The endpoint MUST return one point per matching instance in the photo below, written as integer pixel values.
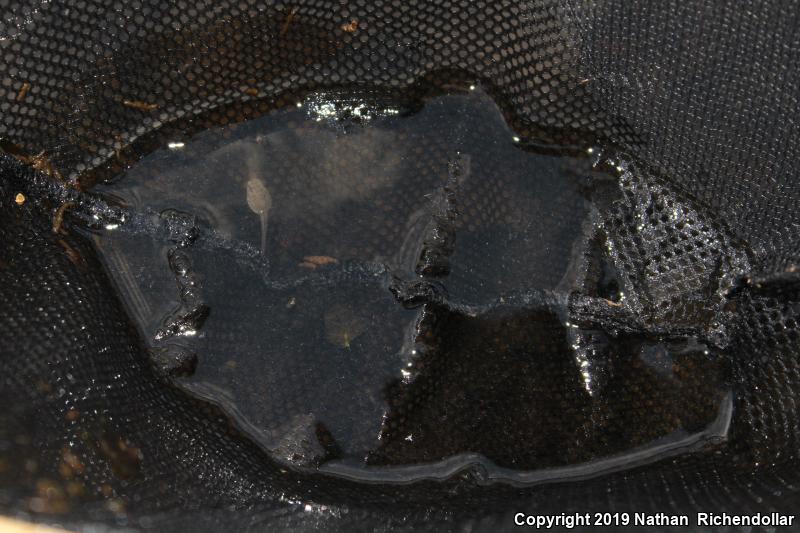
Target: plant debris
(350, 27)
(288, 22)
(40, 162)
(141, 106)
(19, 198)
(314, 261)
(23, 91)
(58, 218)
(74, 257)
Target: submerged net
(548, 250)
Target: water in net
(392, 289)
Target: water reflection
(412, 313)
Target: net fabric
(707, 113)
(701, 95)
(270, 49)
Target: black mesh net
(549, 248)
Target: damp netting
(549, 249)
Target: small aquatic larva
(259, 200)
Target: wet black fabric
(702, 96)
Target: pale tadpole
(259, 200)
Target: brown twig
(23, 91)
(141, 106)
(58, 219)
(288, 21)
(314, 261)
(73, 255)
